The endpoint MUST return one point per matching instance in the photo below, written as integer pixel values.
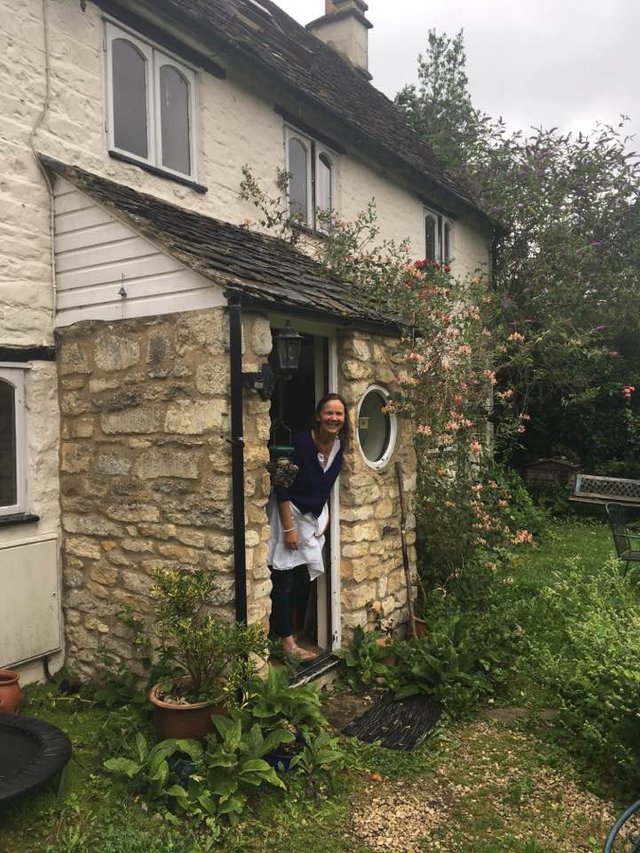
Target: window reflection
(174, 118)
(129, 98)
(8, 449)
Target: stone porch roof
(317, 81)
(267, 272)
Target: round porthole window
(376, 427)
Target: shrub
(583, 647)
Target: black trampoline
(31, 753)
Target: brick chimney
(346, 29)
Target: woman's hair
(345, 432)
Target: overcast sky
(564, 63)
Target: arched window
(311, 168)
(151, 103)
(438, 232)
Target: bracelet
(290, 530)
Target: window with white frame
(13, 491)
(150, 104)
(311, 168)
(437, 237)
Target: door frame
(329, 612)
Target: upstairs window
(151, 104)
(437, 237)
(12, 441)
(311, 168)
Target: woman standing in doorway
(299, 514)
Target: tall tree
(568, 272)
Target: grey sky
(564, 63)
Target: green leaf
(122, 765)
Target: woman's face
(331, 418)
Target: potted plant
(210, 657)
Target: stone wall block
(112, 463)
(137, 546)
(72, 358)
(116, 352)
(131, 511)
(83, 546)
(82, 428)
(212, 378)
(157, 531)
(91, 525)
(194, 418)
(139, 420)
(352, 369)
(179, 552)
(166, 462)
(104, 575)
(194, 538)
(75, 458)
(360, 596)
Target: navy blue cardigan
(310, 489)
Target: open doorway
(292, 410)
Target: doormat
(396, 723)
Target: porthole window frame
(384, 460)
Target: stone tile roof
(264, 38)
(266, 271)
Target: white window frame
(156, 58)
(314, 150)
(442, 223)
(14, 375)
(393, 429)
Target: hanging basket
(281, 467)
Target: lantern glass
(288, 343)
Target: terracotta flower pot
(419, 627)
(10, 692)
(190, 720)
(390, 659)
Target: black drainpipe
(237, 454)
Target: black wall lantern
(287, 348)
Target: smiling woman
(299, 515)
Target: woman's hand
(291, 539)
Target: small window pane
(174, 118)
(374, 426)
(447, 242)
(323, 183)
(298, 181)
(431, 236)
(129, 98)
(8, 448)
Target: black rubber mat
(396, 723)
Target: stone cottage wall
(146, 471)
(372, 572)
